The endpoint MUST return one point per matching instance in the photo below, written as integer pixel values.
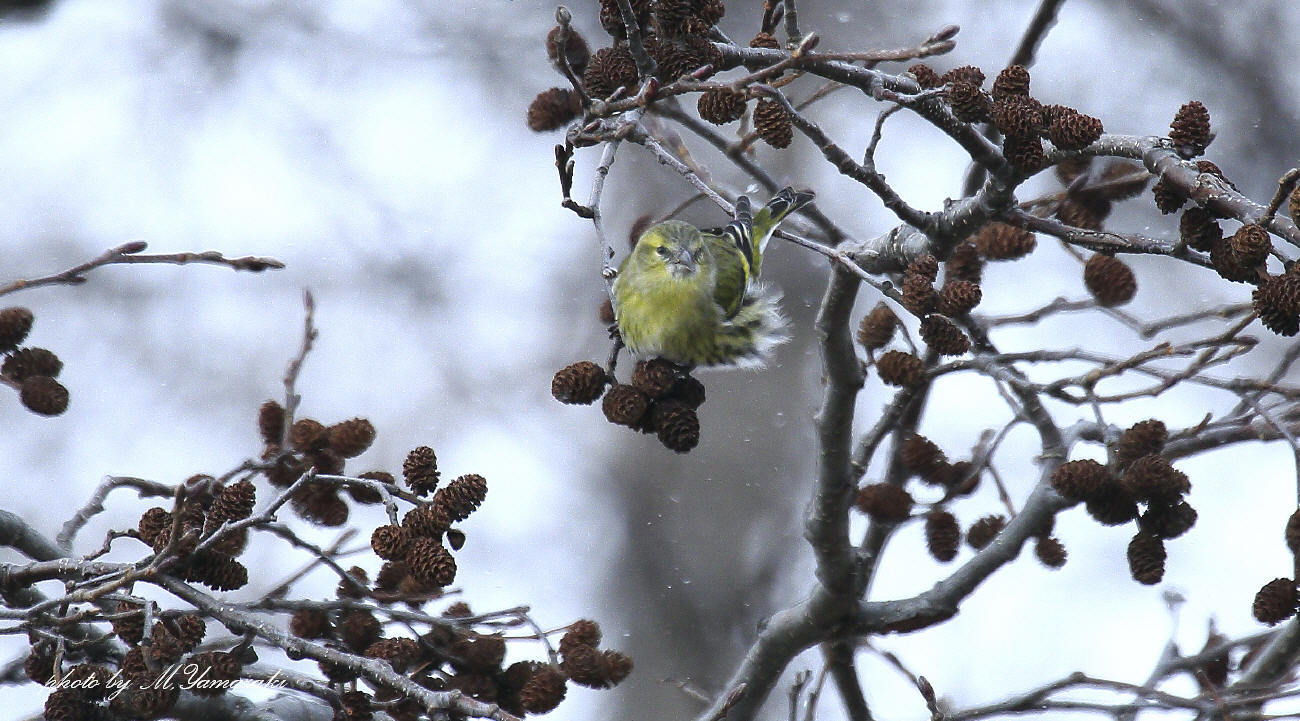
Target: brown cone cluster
(1143, 485)
(32, 370)
(661, 398)
(169, 642)
(1022, 120)
(584, 663)
(418, 554)
(312, 445)
(674, 34)
(201, 519)
(919, 297)
(1000, 241)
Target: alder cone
(462, 496)
(1073, 130)
(1146, 558)
(773, 123)
(965, 73)
(1012, 80)
(15, 324)
(1191, 127)
(897, 368)
(1277, 301)
(552, 109)
(942, 535)
(1275, 602)
(721, 106)
(1143, 438)
(1025, 154)
(921, 455)
(918, 296)
(1293, 531)
(1110, 280)
(924, 265)
(925, 75)
(943, 337)
(983, 531)
(877, 327)
(1168, 198)
(1050, 552)
(43, 395)
(25, 363)
(885, 502)
(1198, 229)
(1168, 520)
(1250, 245)
(958, 296)
(964, 264)
(420, 470)
(579, 384)
(625, 405)
(1080, 480)
(655, 378)
(969, 103)
(609, 69)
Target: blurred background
(379, 149)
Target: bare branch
(129, 253)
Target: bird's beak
(683, 261)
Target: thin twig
(129, 253)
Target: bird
(691, 296)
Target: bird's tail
(785, 202)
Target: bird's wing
(740, 232)
(731, 275)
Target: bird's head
(675, 246)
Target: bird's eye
(662, 251)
